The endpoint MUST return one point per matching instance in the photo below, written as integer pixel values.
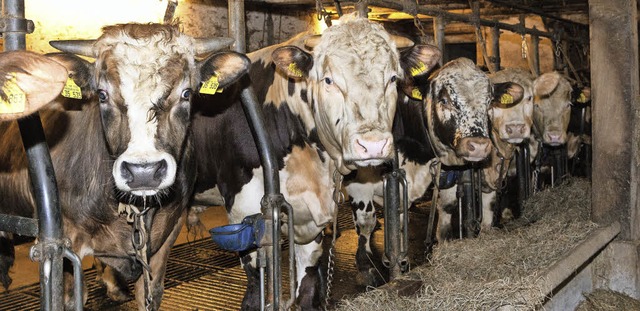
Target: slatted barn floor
(200, 276)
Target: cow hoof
(5, 279)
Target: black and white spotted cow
(326, 109)
(449, 125)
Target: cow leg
(117, 289)
(158, 264)
(7, 256)
(308, 274)
(447, 200)
(364, 219)
(488, 200)
(365, 222)
(251, 300)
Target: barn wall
(74, 19)
(511, 46)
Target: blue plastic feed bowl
(235, 238)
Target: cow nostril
(509, 130)
(125, 172)
(161, 170)
(471, 146)
(364, 149)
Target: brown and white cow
(128, 148)
(449, 125)
(327, 108)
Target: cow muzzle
(515, 133)
(370, 150)
(144, 177)
(554, 138)
(473, 149)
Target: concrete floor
(25, 271)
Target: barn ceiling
(563, 10)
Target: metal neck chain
(338, 198)
(140, 240)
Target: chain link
(140, 242)
(338, 198)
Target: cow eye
(186, 94)
(103, 96)
(394, 78)
(328, 81)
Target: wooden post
(535, 54)
(362, 7)
(438, 35)
(495, 47)
(616, 117)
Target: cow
(510, 116)
(449, 125)
(127, 152)
(327, 109)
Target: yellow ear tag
(416, 94)
(582, 98)
(71, 90)
(294, 70)
(506, 99)
(419, 69)
(211, 86)
(16, 99)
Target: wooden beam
(616, 114)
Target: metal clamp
(12, 24)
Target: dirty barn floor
(200, 276)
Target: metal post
(42, 177)
(524, 175)
(468, 203)
(438, 31)
(495, 44)
(392, 220)
(362, 7)
(272, 199)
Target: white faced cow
(327, 109)
(127, 149)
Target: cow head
(552, 108)
(352, 79)
(143, 78)
(511, 119)
(457, 98)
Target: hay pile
(606, 300)
(500, 267)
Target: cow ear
(420, 59)
(80, 73)
(581, 95)
(293, 61)
(507, 94)
(545, 84)
(222, 69)
(29, 82)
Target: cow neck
(505, 149)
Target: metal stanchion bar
(397, 5)
(42, 176)
(19, 225)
